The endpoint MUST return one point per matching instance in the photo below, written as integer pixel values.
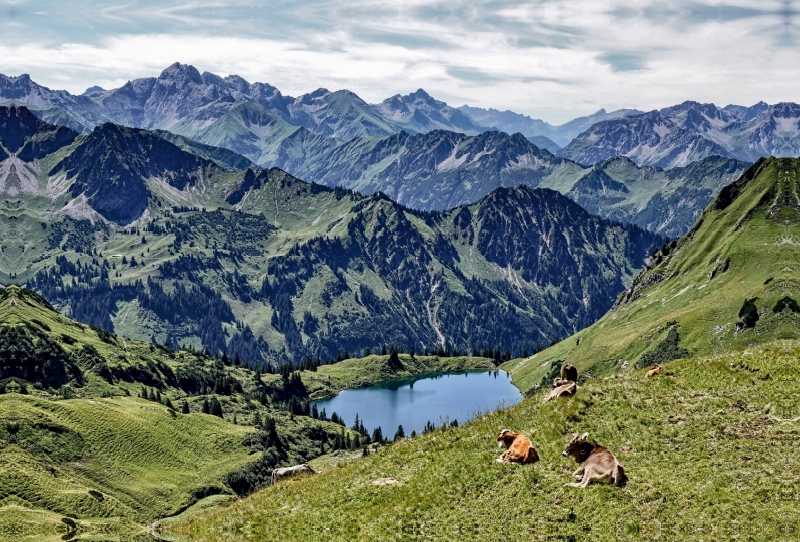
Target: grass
(709, 456)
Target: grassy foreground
(709, 446)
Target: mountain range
(119, 227)
(681, 134)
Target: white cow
(287, 472)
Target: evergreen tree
(394, 361)
(216, 408)
(206, 407)
(168, 404)
(377, 434)
(185, 408)
(400, 434)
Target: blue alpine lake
(412, 402)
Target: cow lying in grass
(288, 472)
(654, 371)
(597, 464)
(519, 448)
(562, 390)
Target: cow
(565, 390)
(518, 448)
(654, 371)
(288, 472)
(596, 463)
(569, 373)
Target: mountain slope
(663, 201)
(111, 165)
(78, 440)
(693, 297)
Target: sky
(550, 59)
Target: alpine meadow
(519, 270)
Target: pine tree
(185, 408)
(168, 404)
(216, 408)
(400, 434)
(377, 434)
(206, 407)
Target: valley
(707, 444)
(204, 279)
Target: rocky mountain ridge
(681, 134)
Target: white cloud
(550, 59)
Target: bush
(748, 314)
(666, 350)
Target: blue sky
(551, 59)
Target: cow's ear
(584, 437)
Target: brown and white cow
(654, 371)
(564, 390)
(518, 448)
(288, 472)
(597, 464)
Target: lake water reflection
(412, 402)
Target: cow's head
(578, 448)
(506, 437)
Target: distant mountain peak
(95, 89)
(186, 71)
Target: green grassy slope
(77, 441)
(707, 446)
(744, 246)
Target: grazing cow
(519, 448)
(569, 372)
(596, 463)
(565, 390)
(654, 371)
(288, 472)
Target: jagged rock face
(110, 167)
(23, 134)
(418, 112)
(663, 201)
(549, 239)
(434, 171)
(650, 139)
(691, 131)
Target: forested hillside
(126, 231)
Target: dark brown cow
(569, 372)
